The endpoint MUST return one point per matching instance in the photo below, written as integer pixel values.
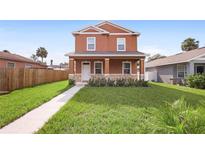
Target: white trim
(130, 67)
(94, 43)
(11, 63)
(85, 33)
(105, 55)
(93, 27)
(185, 71)
(124, 40)
(123, 34)
(82, 31)
(97, 33)
(101, 67)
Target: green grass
(120, 110)
(19, 102)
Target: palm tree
(189, 44)
(41, 52)
(34, 57)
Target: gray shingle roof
(178, 58)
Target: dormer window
(91, 43)
(121, 44)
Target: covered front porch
(196, 67)
(82, 69)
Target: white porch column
(191, 68)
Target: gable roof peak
(99, 30)
(117, 26)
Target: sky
(164, 37)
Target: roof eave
(168, 64)
(105, 55)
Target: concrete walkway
(35, 119)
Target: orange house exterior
(106, 50)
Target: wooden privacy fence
(12, 78)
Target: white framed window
(121, 44)
(91, 43)
(10, 65)
(28, 65)
(126, 68)
(98, 67)
(181, 70)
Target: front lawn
(119, 110)
(19, 102)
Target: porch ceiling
(94, 55)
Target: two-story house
(108, 50)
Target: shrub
(120, 82)
(71, 81)
(130, 82)
(196, 81)
(110, 82)
(179, 118)
(141, 83)
(91, 82)
(102, 82)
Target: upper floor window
(10, 65)
(91, 43)
(121, 44)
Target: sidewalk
(35, 119)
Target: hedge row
(120, 82)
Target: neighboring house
(59, 67)
(174, 69)
(10, 60)
(107, 50)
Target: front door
(85, 71)
(200, 69)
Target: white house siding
(151, 74)
(165, 73)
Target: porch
(82, 69)
(186, 69)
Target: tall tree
(189, 44)
(41, 52)
(154, 57)
(34, 57)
